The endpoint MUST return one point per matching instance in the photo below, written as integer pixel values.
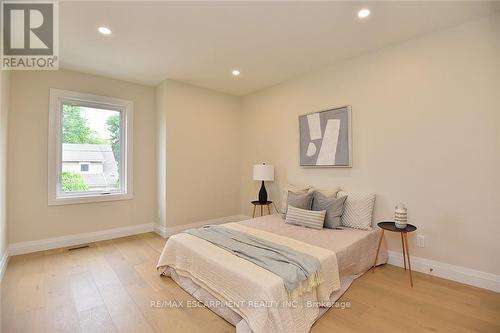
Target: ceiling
(269, 42)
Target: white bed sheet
(355, 250)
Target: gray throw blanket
(292, 266)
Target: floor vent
(79, 247)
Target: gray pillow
(305, 218)
(334, 208)
(302, 201)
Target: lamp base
(262, 194)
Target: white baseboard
(450, 272)
(77, 239)
(3, 263)
(89, 237)
(160, 230)
(169, 231)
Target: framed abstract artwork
(325, 138)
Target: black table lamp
(263, 172)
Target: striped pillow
(306, 218)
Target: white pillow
(358, 210)
(298, 189)
(305, 218)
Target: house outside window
(90, 158)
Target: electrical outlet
(420, 241)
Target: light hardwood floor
(109, 287)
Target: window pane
(90, 149)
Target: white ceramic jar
(401, 216)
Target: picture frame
(325, 138)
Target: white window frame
(126, 108)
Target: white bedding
(226, 277)
(258, 295)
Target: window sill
(88, 199)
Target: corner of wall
(4, 110)
(197, 143)
(161, 155)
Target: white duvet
(256, 294)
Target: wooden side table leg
(403, 247)
(408, 255)
(378, 249)
(261, 210)
(253, 214)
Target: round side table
(258, 203)
(391, 226)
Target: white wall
(425, 130)
(4, 101)
(29, 216)
(198, 154)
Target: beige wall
(29, 216)
(4, 101)
(200, 175)
(425, 129)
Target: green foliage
(113, 123)
(73, 182)
(75, 128)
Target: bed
(225, 287)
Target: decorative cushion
(334, 208)
(358, 210)
(298, 189)
(305, 218)
(302, 201)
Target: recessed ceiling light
(364, 13)
(104, 30)
(236, 72)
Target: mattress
(355, 251)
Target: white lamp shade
(263, 172)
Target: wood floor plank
(161, 319)
(148, 273)
(30, 293)
(156, 243)
(96, 320)
(85, 293)
(102, 273)
(112, 286)
(123, 269)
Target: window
(90, 158)
(84, 167)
